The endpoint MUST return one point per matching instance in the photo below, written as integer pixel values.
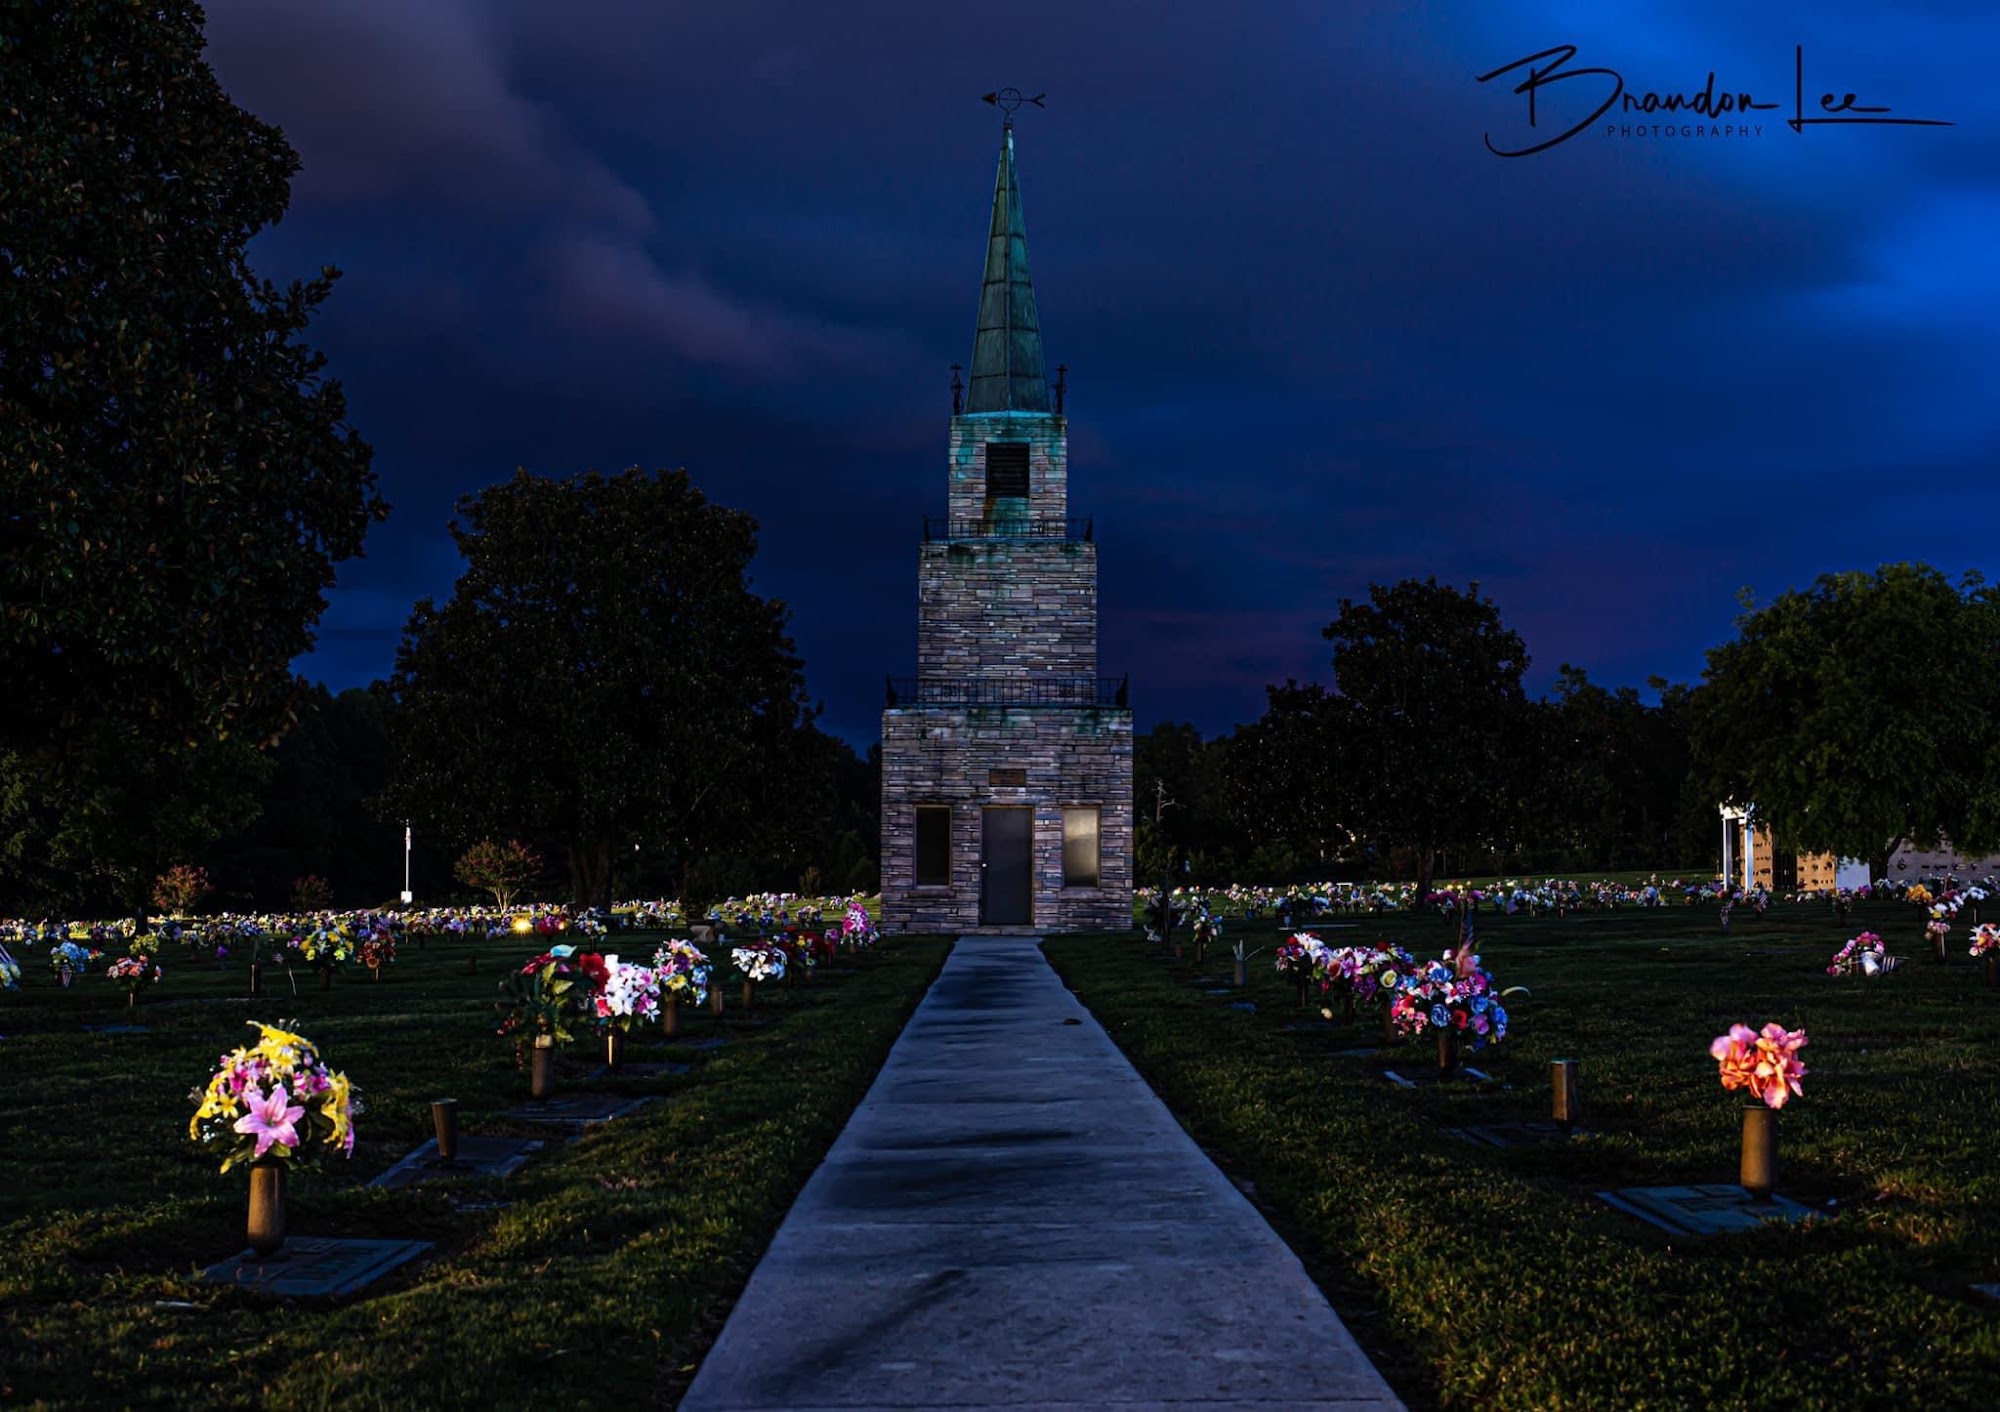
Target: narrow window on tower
(933, 845)
(1006, 470)
(1080, 847)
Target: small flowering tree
(311, 893)
(180, 888)
(499, 868)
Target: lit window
(1080, 847)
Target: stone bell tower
(1007, 759)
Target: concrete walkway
(1013, 1219)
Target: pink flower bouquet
(276, 1100)
(1764, 1061)
(1866, 953)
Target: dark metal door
(1006, 867)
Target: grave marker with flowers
(133, 974)
(70, 959)
(758, 962)
(1986, 947)
(629, 995)
(683, 970)
(540, 1002)
(377, 949)
(1301, 959)
(326, 948)
(275, 1105)
(1455, 999)
(1866, 954)
(1764, 1063)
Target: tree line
(1425, 754)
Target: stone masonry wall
(1071, 756)
(1012, 608)
(1048, 462)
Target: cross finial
(1008, 99)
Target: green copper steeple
(1008, 374)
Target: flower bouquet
(800, 959)
(10, 971)
(756, 962)
(1301, 959)
(630, 993)
(1935, 932)
(1986, 947)
(1766, 1063)
(326, 949)
(71, 959)
(1866, 953)
(274, 1105)
(133, 973)
(1455, 998)
(1360, 973)
(683, 970)
(378, 949)
(856, 930)
(1207, 927)
(540, 1000)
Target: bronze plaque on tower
(1007, 779)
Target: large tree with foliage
(1280, 786)
(314, 816)
(1192, 839)
(1856, 714)
(176, 478)
(1609, 778)
(1429, 718)
(602, 676)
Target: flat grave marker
(311, 1267)
(644, 1069)
(578, 1108)
(477, 1157)
(1703, 1210)
(1423, 1078)
(1522, 1134)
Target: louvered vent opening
(1006, 469)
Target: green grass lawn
(1493, 1278)
(599, 1280)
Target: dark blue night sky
(1317, 333)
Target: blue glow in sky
(1318, 335)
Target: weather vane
(1008, 99)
